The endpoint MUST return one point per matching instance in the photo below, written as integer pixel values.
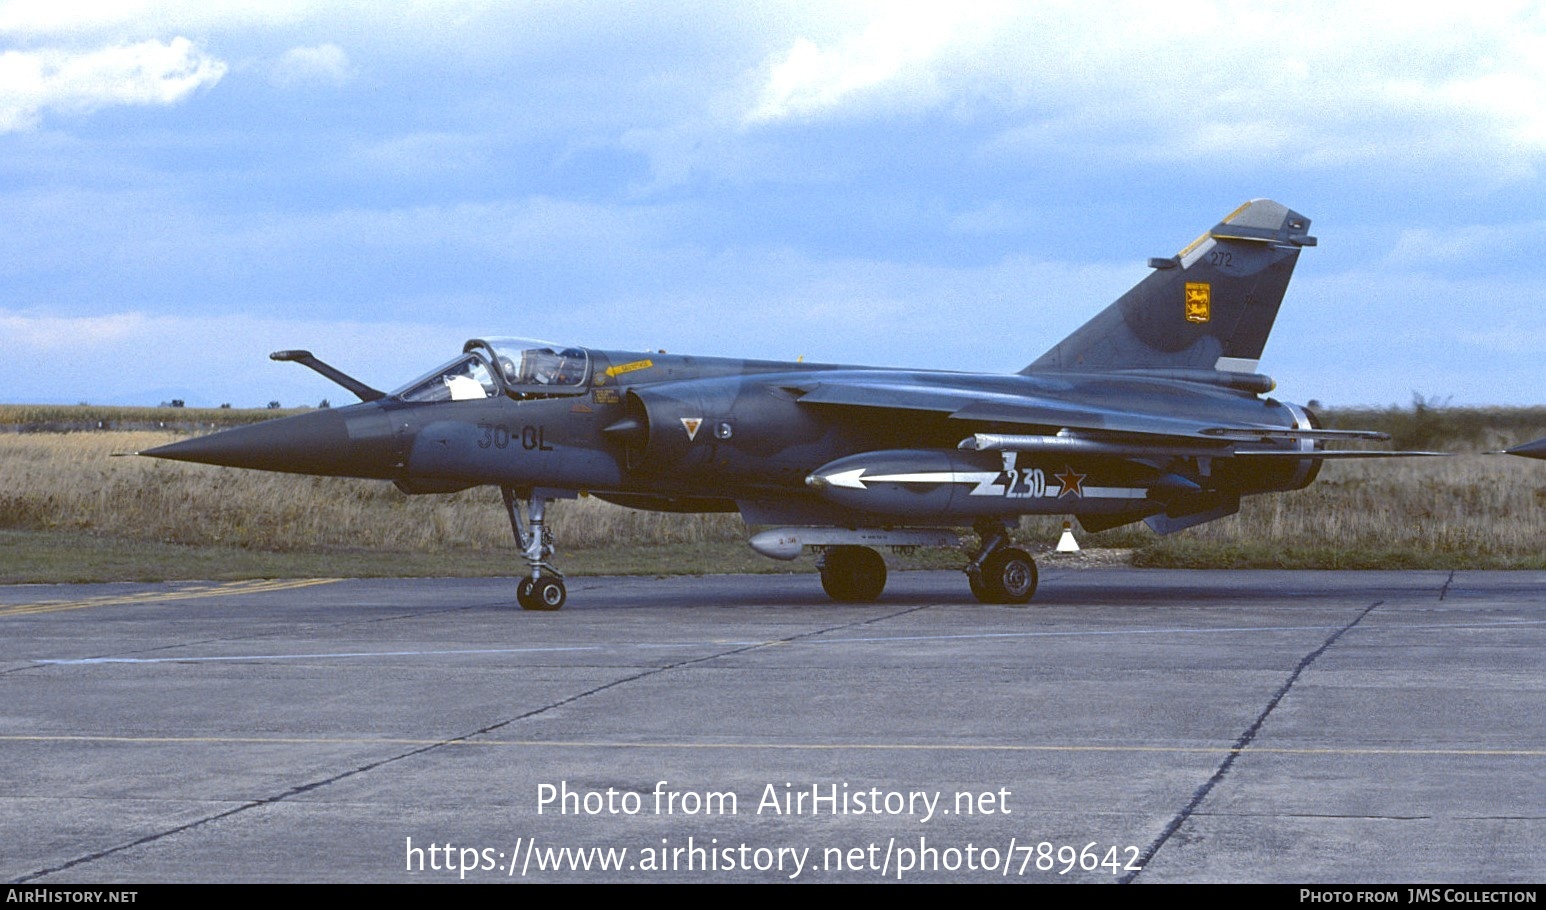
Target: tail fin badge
(1199, 301)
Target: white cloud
(896, 51)
(417, 154)
(25, 332)
(1427, 249)
(994, 218)
(146, 73)
(59, 19)
(325, 64)
(1326, 84)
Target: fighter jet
(1152, 411)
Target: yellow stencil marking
(629, 367)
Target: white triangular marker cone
(1066, 543)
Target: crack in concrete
(371, 766)
(1240, 744)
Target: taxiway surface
(1204, 726)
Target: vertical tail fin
(1209, 307)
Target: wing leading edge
(1041, 410)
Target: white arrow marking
(847, 479)
(938, 477)
(855, 479)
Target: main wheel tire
(540, 594)
(1008, 577)
(851, 573)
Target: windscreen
(466, 378)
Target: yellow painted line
(1236, 213)
(228, 589)
(768, 746)
(1193, 245)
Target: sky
(188, 186)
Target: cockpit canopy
(518, 367)
(536, 366)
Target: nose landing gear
(543, 589)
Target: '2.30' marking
(1023, 483)
(498, 436)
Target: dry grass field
(1471, 510)
(65, 490)
(64, 418)
(71, 482)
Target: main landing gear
(997, 574)
(543, 589)
(850, 573)
(1000, 574)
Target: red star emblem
(1072, 483)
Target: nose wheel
(543, 588)
(541, 593)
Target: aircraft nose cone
(1535, 449)
(343, 442)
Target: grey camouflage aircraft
(1152, 411)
